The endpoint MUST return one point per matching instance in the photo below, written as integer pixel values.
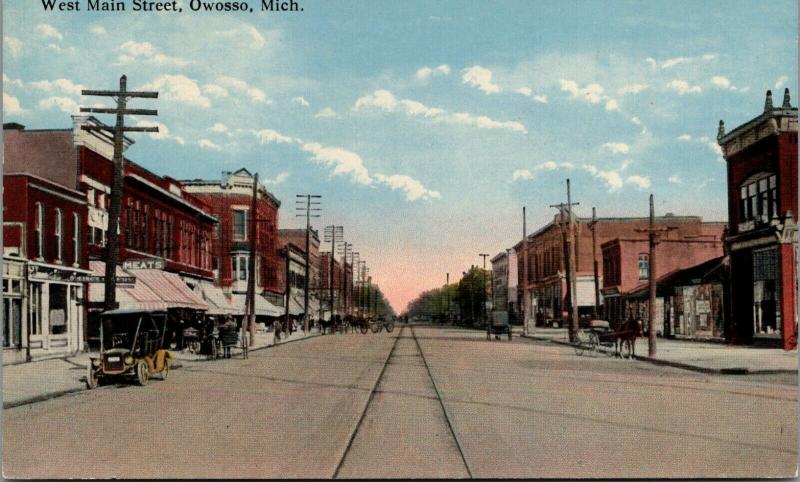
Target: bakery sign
(143, 264)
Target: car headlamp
(128, 360)
(95, 362)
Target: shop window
(36, 308)
(58, 309)
(59, 233)
(766, 292)
(644, 266)
(240, 224)
(39, 228)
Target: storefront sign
(143, 264)
(121, 280)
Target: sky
(425, 126)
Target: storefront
(55, 309)
(14, 310)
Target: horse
(627, 333)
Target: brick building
(343, 292)
(230, 201)
(541, 267)
(296, 239)
(761, 157)
(43, 253)
(626, 268)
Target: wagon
(599, 333)
(499, 325)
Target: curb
(681, 365)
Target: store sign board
(143, 264)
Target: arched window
(76, 239)
(39, 228)
(59, 233)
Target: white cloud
(723, 83)
(652, 62)
(11, 105)
(715, 148)
(253, 38)
(301, 101)
(639, 182)
(219, 128)
(413, 189)
(133, 52)
(207, 144)
(268, 136)
(13, 45)
(61, 85)
(611, 104)
(675, 179)
(385, 100)
(255, 94)
(342, 161)
(12, 82)
(592, 93)
(617, 147)
(704, 140)
(179, 88)
(215, 90)
(684, 137)
(65, 104)
(163, 131)
(326, 113)
(611, 178)
(632, 89)
(48, 31)
(528, 92)
(279, 179)
(781, 81)
(682, 87)
(480, 77)
(522, 174)
(98, 30)
(424, 73)
(669, 63)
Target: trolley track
(407, 387)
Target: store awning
(218, 303)
(296, 306)
(137, 295)
(170, 287)
(262, 305)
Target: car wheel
(165, 370)
(92, 380)
(142, 374)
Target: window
(758, 199)
(36, 308)
(146, 229)
(101, 201)
(240, 224)
(644, 266)
(76, 237)
(59, 233)
(39, 227)
(239, 267)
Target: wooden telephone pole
(592, 226)
(483, 277)
(250, 297)
(121, 96)
(570, 236)
(308, 211)
(333, 233)
(653, 234)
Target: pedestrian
(276, 328)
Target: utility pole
(653, 235)
(344, 249)
(250, 297)
(333, 233)
(483, 286)
(287, 253)
(118, 167)
(592, 226)
(573, 299)
(447, 292)
(308, 211)
(369, 296)
(524, 276)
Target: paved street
(419, 402)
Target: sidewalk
(41, 380)
(699, 356)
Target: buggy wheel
(390, 327)
(578, 344)
(594, 342)
(626, 350)
(364, 328)
(92, 380)
(375, 327)
(165, 370)
(142, 373)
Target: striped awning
(296, 306)
(137, 295)
(218, 303)
(262, 305)
(170, 287)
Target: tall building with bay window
(761, 158)
(230, 200)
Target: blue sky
(426, 126)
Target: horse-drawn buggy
(619, 341)
(498, 325)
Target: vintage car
(131, 344)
